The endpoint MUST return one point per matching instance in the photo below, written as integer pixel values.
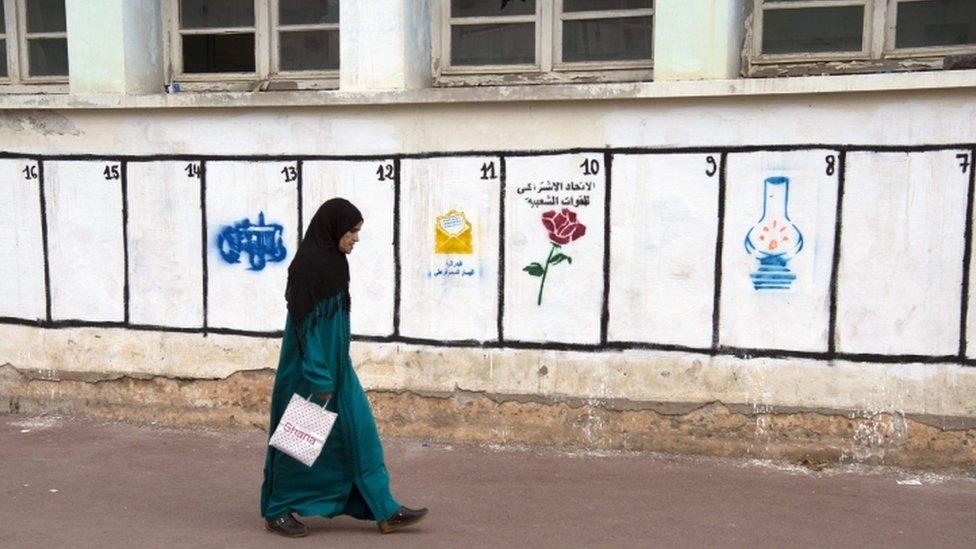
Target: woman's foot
(402, 518)
(286, 526)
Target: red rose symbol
(562, 226)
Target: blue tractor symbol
(262, 242)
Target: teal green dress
(349, 477)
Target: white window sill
(740, 87)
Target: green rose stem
(545, 271)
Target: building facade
(738, 228)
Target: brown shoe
(402, 518)
(286, 526)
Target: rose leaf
(534, 269)
(559, 258)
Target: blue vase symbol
(774, 240)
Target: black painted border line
(299, 184)
(124, 184)
(502, 192)
(607, 182)
(203, 245)
(396, 247)
(967, 258)
(621, 346)
(44, 240)
(835, 258)
(512, 153)
(73, 323)
(719, 244)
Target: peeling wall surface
(808, 252)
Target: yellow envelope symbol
(452, 234)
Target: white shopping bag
(303, 428)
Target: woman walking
(349, 477)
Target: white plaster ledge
(740, 87)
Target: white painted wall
(797, 318)
(449, 296)
(572, 297)
(662, 260)
(165, 244)
(241, 296)
(85, 240)
(22, 259)
(902, 253)
(373, 289)
(899, 283)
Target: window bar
(449, 22)
(176, 53)
(564, 16)
(24, 47)
(7, 74)
(279, 29)
(868, 46)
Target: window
(253, 44)
(33, 43)
(4, 69)
(834, 36)
(526, 41)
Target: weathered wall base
(812, 437)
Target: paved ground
(80, 483)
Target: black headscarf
(320, 269)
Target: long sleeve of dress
(321, 356)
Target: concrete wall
(873, 325)
(698, 39)
(116, 46)
(680, 310)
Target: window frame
(310, 76)
(878, 51)
(18, 79)
(869, 43)
(448, 22)
(549, 67)
(12, 63)
(890, 49)
(557, 41)
(267, 55)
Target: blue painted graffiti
(262, 242)
(774, 240)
